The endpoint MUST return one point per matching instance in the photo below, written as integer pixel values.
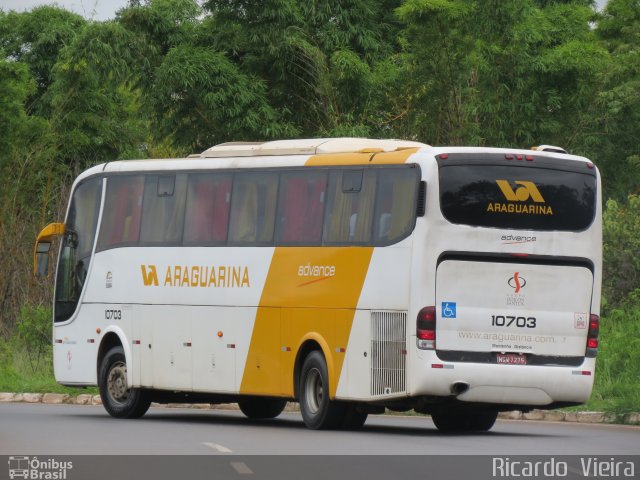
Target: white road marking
(219, 448)
(241, 468)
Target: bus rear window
(518, 196)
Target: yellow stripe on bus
(310, 294)
(367, 158)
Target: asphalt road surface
(387, 446)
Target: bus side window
(253, 208)
(301, 207)
(395, 204)
(122, 212)
(350, 207)
(163, 209)
(207, 211)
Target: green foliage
(35, 39)
(26, 362)
(621, 249)
(201, 98)
(611, 128)
(91, 99)
(15, 87)
(34, 335)
(617, 381)
(318, 58)
(500, 73)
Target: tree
(200, 98)
(618, 119)
(499, 73)
(94, 106)
(22, 153)
(35, 39)
(326, 62)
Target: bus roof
(291, 153)
(308, 146)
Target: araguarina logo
(525, 191)
(519, 200)
(517, 282)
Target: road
(68, 430)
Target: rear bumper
(502, 384)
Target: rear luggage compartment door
(514, 308)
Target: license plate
(511, 359)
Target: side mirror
(43, 248)
(42, 259)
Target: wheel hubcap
(314, 391)
(117, 382)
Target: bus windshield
(524, 195)
(77, 244)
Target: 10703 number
(113, 314)
(508, 320)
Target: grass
(617, 379)
(24, 371)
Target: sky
(93, 9)
(90, 9)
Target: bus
(350, 275)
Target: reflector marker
(585, 373)
(231, 345)
(442, 366)
(136, 342)
(58, 340)
(286, 349)
(91, 340)
(186, 344)
(340, 350)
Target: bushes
(26, 358)
(34, 337)
(621, 250)
(617, 381)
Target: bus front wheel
(118, 399)
(318, 411)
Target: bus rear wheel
(261, 407)
(118, 399)
(318, 411)
(464, 419)
(353, 418)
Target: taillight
(592, 336)
(426, 328)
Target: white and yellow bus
(350, 275)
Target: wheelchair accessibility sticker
(448, 309)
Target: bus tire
(353, 419)
(261, 407)
(118, 399)
(464, 419)
(318, 411)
